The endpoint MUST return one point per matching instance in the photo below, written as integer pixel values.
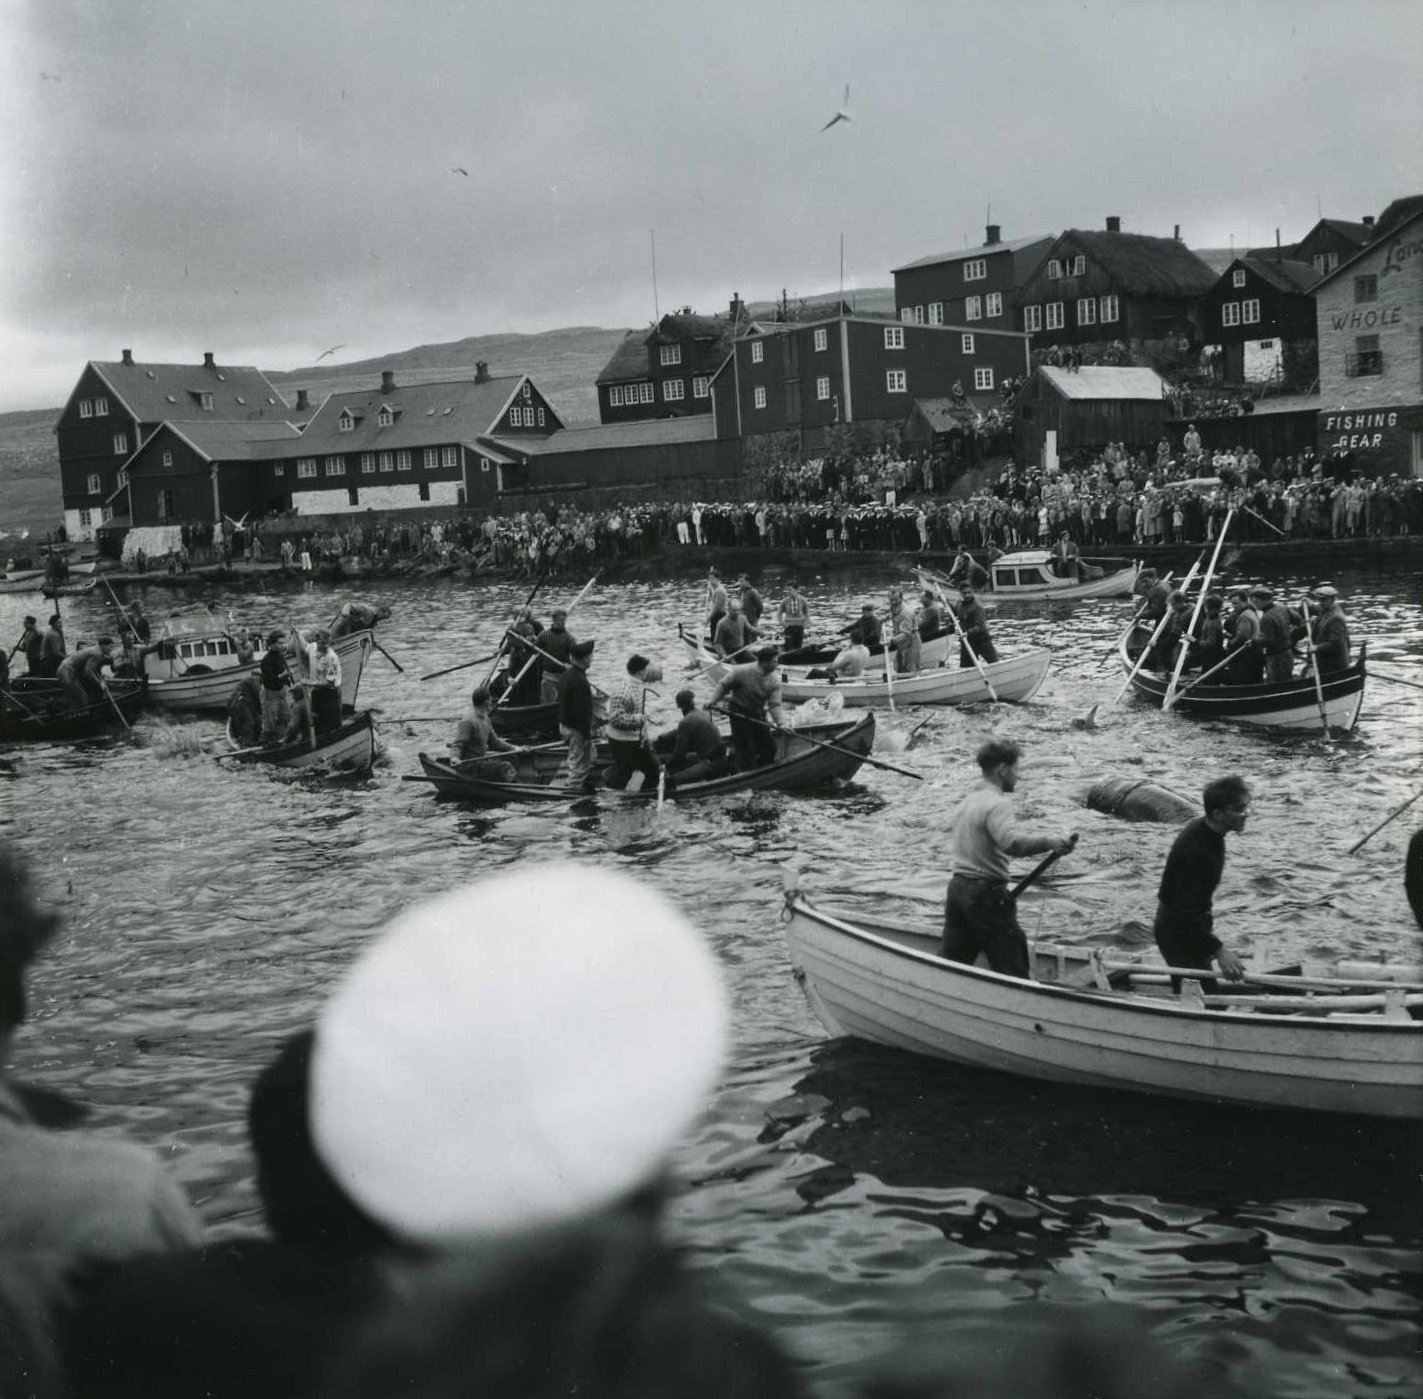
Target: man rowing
(557, 642)
(698, 750)
(980, 915)
(753, 696)
(973, 621)
(475, 740)
(865, 629)
(931, 616)
(82, 674)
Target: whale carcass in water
(1137, 799)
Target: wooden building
(1330, 242)
(973, 287)
(1370, 325)
(1103, 286)
(1259, 305)
(117, 404)
(1062, 409)
(666, 372)
(808, 376)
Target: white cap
(516, 1052)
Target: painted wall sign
(1372, 319)
(1356, 430)
(1399, 252)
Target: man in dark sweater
(1184, 921)
(575, 715)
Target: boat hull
(871, 984)
(352, 748)
(40, 724)
(1116, 584)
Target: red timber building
(974, 288)
(1261, 315)
(807, 376)
(666, 372)
(117, 405)
(1103, 286)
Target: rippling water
(837, 1191)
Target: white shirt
(324, 670)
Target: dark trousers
(982, 649)
(1186, 940)
(325, 708)
(753, 743)
(979, 916)
(795, 635)
(628, 758)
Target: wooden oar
(464, 665)
(1393, 815)
(538, 650)
(115, 704)
(888, 678)
(1375, 674)
(12, 696)
(964, 642)
(1206, 675)
(1041, 868)
(1314, 670)
(528, 602)
(388, 656)
(1136, 617)
(1195, 614)
(820, 743)
(1151, 640)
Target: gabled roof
(685, 325)
(1139, 264)
(230, 441)
(1281, 273)
(984, 250)
(697, 427)
(1106, 381)
(1398, 213)
(426, 415)
(629, 360)
(154, 393)
(1359, 233)
(1406, 222)
(946, 414)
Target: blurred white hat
(518, 1051)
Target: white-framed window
(1325, 262)
(671, 354)
(450, 457)
(346, 422)
(85, 519)
(106, 513)
(1054, 315)
(758, 352)
(306, 467)
(993, 304)
(1110, 308)
(1079, 266)
(1032, 318)
(1054, 269)
(93, 483)
(432, 458)
(121, 444)
(101, 407)
(983, 377)
(936, 313)
(822, 388)
(822, 339)
(1087, 311)
(387, 461)
(918, 315)
(1250, 311)
(645, 393)
(973, 308)
(541, 417)
(701, 387)
(896, 381)
(615, 396)
(386, 416)
(403, 460)
(86, 407)
(1237, 278)
(1267, 344)
(167, 458)
(673, 390)
(906, 314)
(516, 416)
(894, 337)
(975, 269)
(335, 466)
(1230, 313)
(279, 468)
(368, 463)
(967, 344)
(484, 463)
(760, 396)
(205, 402)
(528, 390)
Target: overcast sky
(266, 179)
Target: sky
(267, 180)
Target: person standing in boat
(324, 667)
(82, 674)
(865, 631)
(1067, 558)
(753, 695)
(752, 604)
(31, 643)
(1331, 631)
(52, 647)
(277, 681)
(973, 621)
(733, 633)
(980, 916)
(716, 601)
(575, 715)
(794, 616)
(1244, 629)
(931, 616)
(627, 725)
(1184, 925)
(558, 642)
(1280, 628)
(904, 635)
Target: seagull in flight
(459, 170)
(843, 113)
(331, 351)
(51, 78)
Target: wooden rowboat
(1281, 704)
(1289, 1041)
(933, 651)
(37, 710)
(799, 766)
(351, 747)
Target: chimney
(1177, 234)
(1114, 223)
(738, 308)
(387, 380)
(207, 360)
(481, 371)
(1368, 221)
(302, 404)
(128, 357)
(1279, 252)
(992, 234)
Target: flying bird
(459, 170)
(51, 77)
(331, 351)
(843, 113)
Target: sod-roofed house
(665, 372)
(1102, 286)
(969, 286)
(1058, 410)
(402, 445)
(117, 404)
(1259, 306)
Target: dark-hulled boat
(37, 710)
(350, 747)
(1281, 704)
(835, 756)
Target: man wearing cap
(865, 631)
(1280, 628)
(276, 678)
(1331, 631)
(1244, 645)
(752, 693)
(575, 715)
(698, 750)
(1066, 558)
(558, 642)
(752, 604)
(627, 726)
(1178, 621)
(716, 601)
(794, 616)
(973, 621)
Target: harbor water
(835, 1192)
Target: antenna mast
(656, 309)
